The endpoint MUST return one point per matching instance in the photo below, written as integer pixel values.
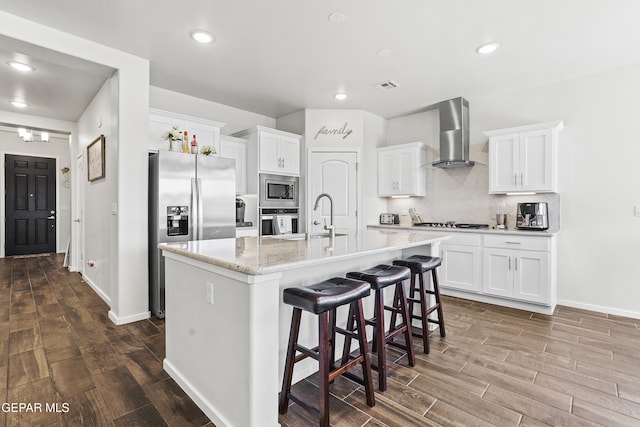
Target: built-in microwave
(278, 191)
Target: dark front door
(30, 202)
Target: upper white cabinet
(207, 131)
(524, 159)
(401, 170)
(278, 152)
(236, 148)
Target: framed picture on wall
(95, 159)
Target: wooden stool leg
(392, 324)
(323, 374)
(406, 318)
(288, 365)
(423, 311)
(332, 335)
(380, 340)
(436, 290)
(347, 339)
(362, 341)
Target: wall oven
(278, 191)
(270, 215)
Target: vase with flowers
(172, 135)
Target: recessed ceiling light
(20, 66)
(384, 52)
(337, 17)
(488, 48)
(341, 96)
(19, 104)
(202, 36)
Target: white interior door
(77, 251)
(334, 173)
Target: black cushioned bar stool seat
(323, 299)
(380, 277)
(420, 264)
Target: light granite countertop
(516, 232)
(265, 255)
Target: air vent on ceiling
(389, 84)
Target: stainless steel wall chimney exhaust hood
(454, 134)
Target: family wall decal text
(343, 131)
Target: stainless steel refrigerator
(190, 198)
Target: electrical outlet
(210, 292)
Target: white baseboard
(601, 309)
(128, 319)
(97, 290)
(206, 406)
(504, 302)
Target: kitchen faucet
(332, 230)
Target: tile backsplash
(462, 195)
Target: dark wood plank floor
(496, 367)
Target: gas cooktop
(450, 224)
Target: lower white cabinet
(513, 270)
(517, 274)
(462, 263)
(246, 232)
(517, 267)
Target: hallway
(57, 346)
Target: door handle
(51, 217)
(77, 220)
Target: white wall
(128, 271)
(58, 148)
(375, 129)
(100, 227)
(599, 240)
(235, 119)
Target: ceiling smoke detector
(389, 84)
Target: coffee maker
(240, 210)
(532, 216)
(240, 222)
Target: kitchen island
(226, 325)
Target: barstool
(420, 264)
(380, 277)
(322, 299)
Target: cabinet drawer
(529, 243)
(465, 239)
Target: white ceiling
(279, 56)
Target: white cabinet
(207, 131)
(246, 232)
(273, 151)
(514, 269)
(279, 154)
(462, 263)
(401, 170)
(524, 159)
(517, 267)
(236, 148)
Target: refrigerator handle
(200, 218)
(194, 210)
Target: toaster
(389, 218)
